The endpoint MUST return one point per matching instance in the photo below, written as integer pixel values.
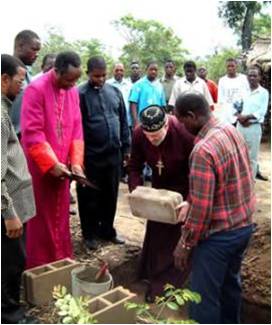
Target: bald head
(118, 71)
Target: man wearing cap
(165, 145)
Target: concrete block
(108, 308)
(155, 204)
(40, 281)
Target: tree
(261, 26)
(85, 48)
(239, 15)
(148, 40)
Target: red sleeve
(77, 152)
(43, 155)
(34, 140)
(213, 90)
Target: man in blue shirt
(145, 92)
(252, 116)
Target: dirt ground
(256, 271)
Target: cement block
(155, 204)
(40, 281)
(108, 308)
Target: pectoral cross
(160, 166)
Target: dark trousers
(97, 207)
(124, 169)
(13, 263)
(215, 275)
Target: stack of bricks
(155, 204)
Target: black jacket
(105, 126)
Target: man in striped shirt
(17, 198)
(218, 215)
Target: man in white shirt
(232, 89)
(124, 85)
(190, 83)
(252, 116)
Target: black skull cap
(152, 118)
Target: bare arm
(134, 114)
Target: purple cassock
(170, 170)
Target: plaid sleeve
(202, 186)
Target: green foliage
(216, 64)
(72, 310)
(85, 48)
(148, 40)
(173, 299)
(233, 12)
(262, 26)
(239, 15)
(75, 310)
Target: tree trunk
(247, 27)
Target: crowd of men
(194, 137)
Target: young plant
(70, 309)
(173, 299)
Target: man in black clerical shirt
(107, 142)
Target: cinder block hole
(116, 296)
(61, 263)
(97, 305)
(41, 270)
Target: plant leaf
(63, 291)
(168, 286)
(168, 293)
(172, 305)
(159, 300)
(131, 305)
(179, 300)
(67, 320)
(62, 313)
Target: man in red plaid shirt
(218, 215)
